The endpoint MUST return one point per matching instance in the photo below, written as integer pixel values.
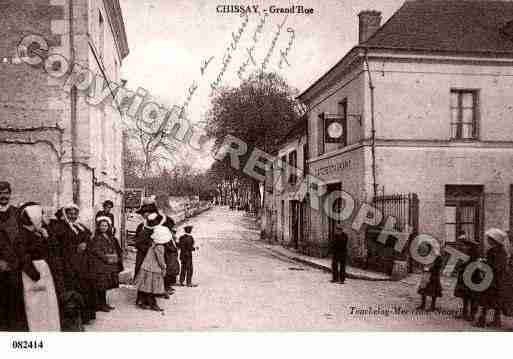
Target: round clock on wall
(335, 130)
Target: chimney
(369, 23)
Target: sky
(170, 40)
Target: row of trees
(179, 179)
(260, 112)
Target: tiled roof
(447, 25)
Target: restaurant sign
(333, 168)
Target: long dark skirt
(106, 281)
(71, 307)
(12, 306)
(87, 290)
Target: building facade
(55, 147)
(422, 105)
(285, 215)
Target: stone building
(285, 215)
(55, 147)
(423, 103)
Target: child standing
(105, 262)
(150, 279)
(186, 245)
(433, 286)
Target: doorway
(337, 206)
(294, 223)
(463, 212)
(282, 221)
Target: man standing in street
(338, 250)
(8, 213)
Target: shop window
(464, 111)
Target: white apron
(41, 305)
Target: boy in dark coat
(186, 246)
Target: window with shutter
(463, 114)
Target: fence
(405, 209)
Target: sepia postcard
(202, 166)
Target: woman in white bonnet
(497, 255)
(105, 261)
(40, 298)
(150, 278)
(152, 219)
(74, 237)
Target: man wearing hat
(8, 213)
(338, 250)
(143, 241)
(12, 310)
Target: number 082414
(27, 344)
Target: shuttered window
(463, 114)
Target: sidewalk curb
(312, 264)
